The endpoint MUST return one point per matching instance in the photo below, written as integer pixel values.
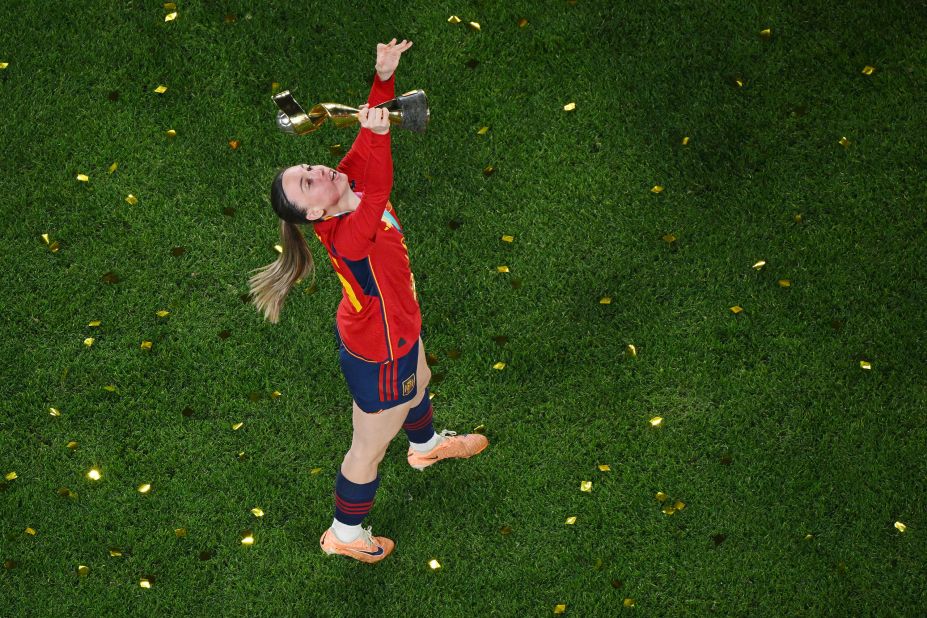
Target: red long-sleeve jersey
(378, 317)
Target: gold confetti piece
(843, 141)
(257, 512)
(431, 395)
(4, 65)
(605, 467)
(237, 426)
(112, 168)
(144, 488)
(868, 70)
(278, 248)
(274, 86)
(585, 486)
(679, 505)
(488, 170)
(241, 455)
(144, 583)
(737, 308)
(434, 564)
(739, 82)
(275, 394)
(657, 189)
(482, 131)
(785, 283)
(661, 496)
(10, 476)
(93, 474)
(248, 538)
(759, 264)
(669, 238)
(83, 177)
(231, 17)
(110, 387)
(766, 33)
(655, 421)
(336, 150)
(502, 269)
(88, 341)
(171, 133)
(161, 89)
(30, 531)
(668, 509)
(146, 345)
(131, 199)
(632, 350)
(865, 364)
(900, 526)
(808, 537)
(54, 247)
(569, 107)
(453, 19)
(480, 429)
(522, 22)
(72, 444)
(45, 238)
(629, 602)
(507, 238)
(170, 6)
(505, 530)
(685, 141)
(54, 412)
(170, 16)
(499, 365)
(180, 532)
(83, 570)
(605, 300)
(163, 313)
(233, 144)
(570, 520)
(473, 26)
(315, 470)
(559, 608)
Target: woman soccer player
(378, 322)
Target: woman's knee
(364, 454)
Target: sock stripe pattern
(418, 424)
(353, 500)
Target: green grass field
(772, 431)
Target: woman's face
(314, 189)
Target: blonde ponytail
(270, 286)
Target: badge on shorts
(408, 384)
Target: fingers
(392, 45)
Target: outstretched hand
(388, 57)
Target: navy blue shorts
(377, 386)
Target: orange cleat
(467, 445)
(366, 547)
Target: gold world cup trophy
(408, 111)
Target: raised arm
(355, 234)
(383, 89)
(354, 163)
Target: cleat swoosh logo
(370, 553)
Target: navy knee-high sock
(418, 422)
(353, 500)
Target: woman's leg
(418, 423)
(357, 480)
(372, 435)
